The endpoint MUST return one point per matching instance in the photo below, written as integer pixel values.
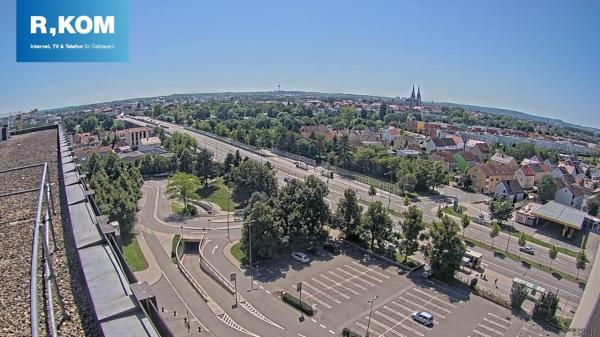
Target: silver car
(423, 317)
(300, 257)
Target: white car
(300, 257)
(423, 317)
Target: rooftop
(562, 214)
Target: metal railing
(40, 230)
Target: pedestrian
(496, 283)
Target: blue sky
(522, 55)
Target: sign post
(233, 278)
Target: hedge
(349, 333)
(296, 303)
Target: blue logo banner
(72, 31)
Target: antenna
(278, 86)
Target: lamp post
(250, 254)
(370, 312)
(389, 189)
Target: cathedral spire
(419, 96)
(412, 95)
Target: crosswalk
(393, 318)
(492, 325)
(342, 283)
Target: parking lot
(341, 287)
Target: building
(484, 177)
(132, 136)
(407, 153)
(149, 143)
(525, 176)
(390, 134)
(85, 153)
(568, 194)
(501, 158)
(479, 149)
(465, 160)
(446, 158)
(414, 100)
(4, 132)
(509, 190)
(441, 144)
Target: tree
(439, 213)
(518, 294)
(494, 232)
(412, 228)
(552, 254)
(251, 176)
(183, 186)
(406, 201)
(89, 124)
(547, 305)
(185, 162)
(263, 228)
(446, 250)
(348, 213)
(465, 221)
(344, 152)
(523, 242)
(203, 164)
(501, 210)
(593, 207)
(546, 188)
(377, 225)
(582, 261)
(372, 192)
(382, 110)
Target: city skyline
(538, 60)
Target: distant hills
(520, 115)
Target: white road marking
(410, 311)
(355, 276)
(387, 328)
(267, 290)
(363, 273)
(314, 320)
(214, 249)
(371, 269)
(422, 307)
(319, 291)
(430, 303)
(331, 332)
(434, 297)
(349, 281)
(496, 323)
(314, 298)
(490, 329)
(182, 301)
(322, 326)
(481, 333)
(300, 335)
(328, 287)
(334, 281)
(500, 318)
(396, 322)
(532, 332)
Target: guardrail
(187, 274)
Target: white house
(569, 195)
(509, 190)
(441, 144)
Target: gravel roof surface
(17, 214)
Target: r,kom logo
(74, 25)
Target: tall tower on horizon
(418, 96)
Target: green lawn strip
(134, 256)
(451, 211)
(236, 251)
(556, 273)
(174, 247)
(542, 243)
(217, 193)
(176, 207)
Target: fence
(378, 183)
(295, 157)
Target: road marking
(314, 298)
(328, 287)
(261, 287)
(300, 335)
(434, 297)
(314, 320)
(430, 303)
(319, 291)
(334, 281)
(182, 301)
(422, 307)
(267, 290)
(355, 276)
(532, 332)
(496, 323)
(214, 249)
(500, 318)
(410, 320)
(331, 332)
(481, 333)
(370, 269)
(349, 281)
(387, 328)
(363, 273)
(322, 326)
(396, 322)
(490, 329)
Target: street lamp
(250, 253)
(370, 312)
(389, 189)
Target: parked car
(423, 317)
(527, 249)
(300, 257)
(332, 247)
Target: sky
(540, 57)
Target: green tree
(89, 124)
(412, 231)
(465, 222)
(582, 262)
(518, 294)
(348, 213)
(446, 250)
(439, 213)
(372, 192)
(501, 210)
(251, 176)
(546, 307)
(203, 164)
(406, 201)
(546, 188)
(495, 230)
(523, 242)
(593, 207)
(183, 186)
(263, 228)
(185, 162)
(552, 254)
(377, 225)
(344, 152)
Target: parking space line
(349, 280)
(434, 297)
(387, 328)
(370, 269)
(355, 276)
(365, 273)
(329, 287)
(334, 282)
(320, 292)
(313, 297)
(496, 323)
(490, 329)
(498, 317)
(532, 332)
(481, 333)
(410, 311)
(410, 320)
(430, 303)
(332, 332)
(396, 322)
(422, 307)
(322, 326)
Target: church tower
(412, 95)
(418, 96)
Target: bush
(349, 333)
(296, 303)
(518, 295)
(174, 247)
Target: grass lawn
(236, 251)
(218, 193)
(532, 239)
(451, 211)
(134, 256)
(176, 207)
(174, 247)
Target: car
(300, 257)
(332, 247)
(527, 249)
(423, 317)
